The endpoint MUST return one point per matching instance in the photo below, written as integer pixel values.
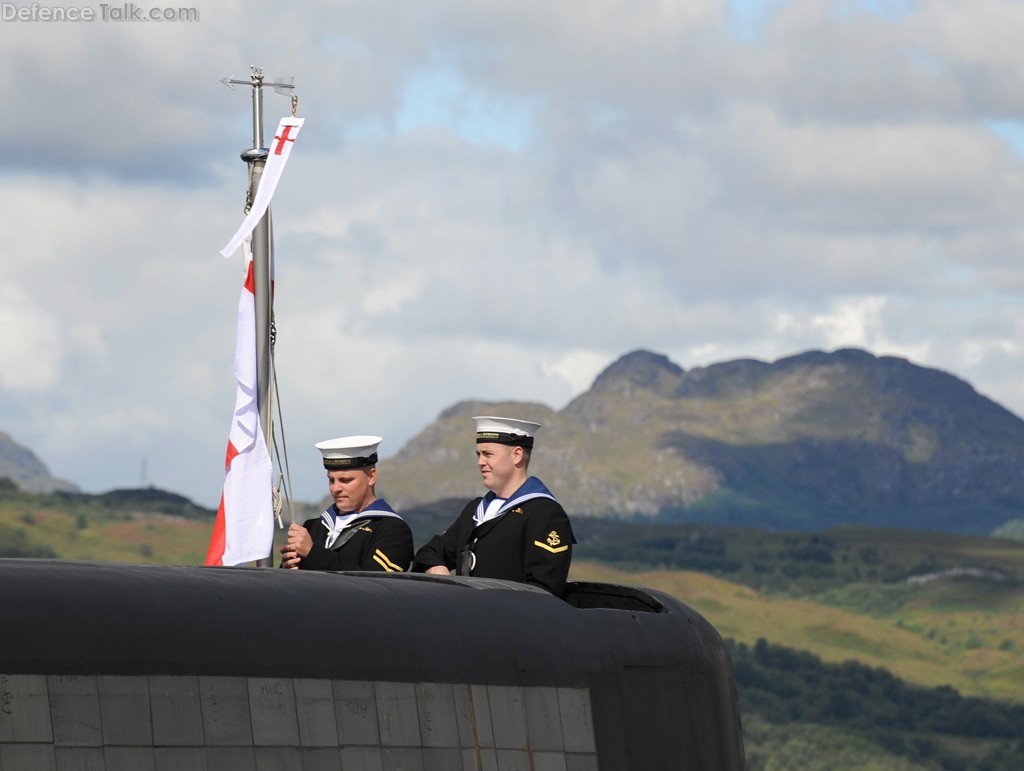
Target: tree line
(784, 686)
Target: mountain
(807, 442)
(21, 466)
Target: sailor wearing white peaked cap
(518, 531)
(358, 531)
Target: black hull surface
(136, 667)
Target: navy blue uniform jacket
(530, 543)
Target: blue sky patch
(1010, 130)
(745, 17)
(442, 98)
(894, 10)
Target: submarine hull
(123, 666)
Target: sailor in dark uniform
(359, 531)
(517, 531)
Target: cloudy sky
(493, 199)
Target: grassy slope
(112, 528)
(155, 539)
(975, 650)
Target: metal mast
(262, 247)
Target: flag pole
(256, 157)
(262, 252)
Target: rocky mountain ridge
(809, 441)
(19, 464)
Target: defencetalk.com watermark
(127, 12)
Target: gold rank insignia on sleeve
(366, 528)
(382, 559)
(552, 545)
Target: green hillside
(798, 563)
(934, 608)
(800, 713)
(133, 526)
(930, 679)
(924, 638)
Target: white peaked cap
(349, 451)
(505, 430)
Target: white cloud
(851, 322)
(570, 184)
(31, 343)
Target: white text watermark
(125, 12)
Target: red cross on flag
(284, 141)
